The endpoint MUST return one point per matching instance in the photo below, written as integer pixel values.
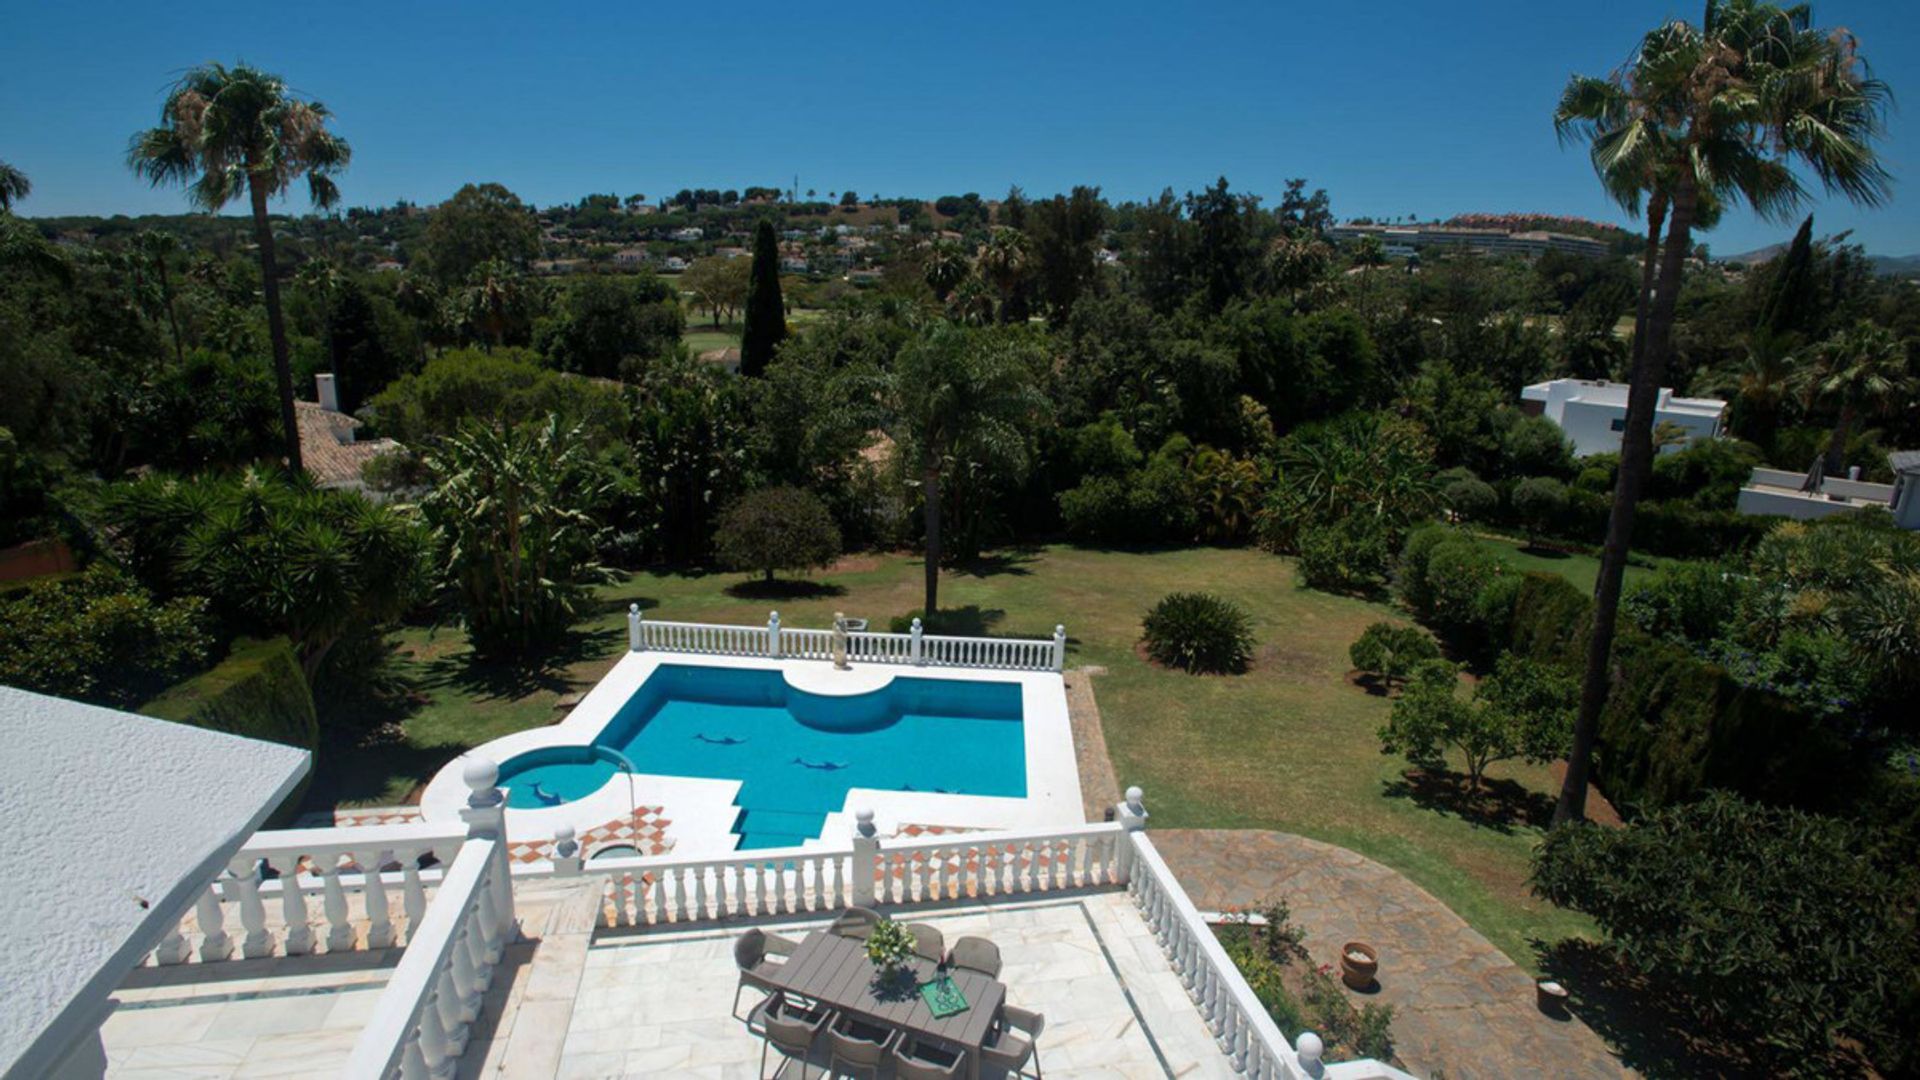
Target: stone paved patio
(1460, 1005)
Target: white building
(1787, 494)
(1593, 412)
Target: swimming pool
(796, 753)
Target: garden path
(1460, 1005)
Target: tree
(1861, 370)
(1390, 652)
(719, 285)
(511, 539)
(1761, 918)
(1700, 118)
(1065, 231)
(957, 395)
(1223, 251)
(482, 223)
(1004, 261)
(228, 132)
(778, 528)
(497, 306)
(1523, 710)
(766, 312)
(947, 267)
(1540, 501)
(604, 323)
(14, 186)
(158, 249)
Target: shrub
(1780, 924)
(99, 637)
(1523, 710)
(1469, 497)
(1390, 651)
(1199, 632)
(1535, 446)
(778, 528)
(1457, 571)
(1540, 502)
(1688, 602)
(1354, 554)
(1410, 577)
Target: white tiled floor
(656, 1004)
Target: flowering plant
(889, 944)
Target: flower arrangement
(889, 945)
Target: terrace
(428, 948)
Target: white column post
(866, 857)
(214, 942)
(1131, 814)
(773, 634)
(566, 852)
(245, 884)
(486, 818)
(1059, 648)
(918, 656)
(1309, 1047)
(379, 914)
(636, 641)
(293, 911)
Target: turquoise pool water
(795, 753)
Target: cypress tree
(766, 317)
(1789, 306)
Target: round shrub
(1199, 632)
(778, 528)
(1354, 554)
(1540, 501)
(1469, 497)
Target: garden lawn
(1581, 571)
(1290, 745)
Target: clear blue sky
(1394, 107)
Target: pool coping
(701, 811)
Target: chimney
(329, 396)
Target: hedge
(258, 691)
(1675, 724)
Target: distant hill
(1889, 265)
(1754, 257)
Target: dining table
(834, 970)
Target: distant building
(1806, 497)
(687, 235)
(674, 264)
(793, 264)
(1593, 412)
(387, 266)
(631, 258)
(329, 449)
(552, 267)
(1403, 240)
(732, 252)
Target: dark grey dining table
(835, 971)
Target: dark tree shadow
(784, 589)
(1540, 551)
(508, 678)
(1371, 683)
(1014, 562)
(970, 621)
(1499, 805)
(1654, 1028)
(603, 605)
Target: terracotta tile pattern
(645, 832)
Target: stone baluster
(436, 1050)
(462, 1001)
(413, 894)
(566, 852)
(333, 900)
(916, 632)
(636, 629)
(214, 942)
(379, 917)
(174, 948)
(293, 910)
(480, 969)
(773, 634)
(866, 857)
(486, 818)
(413, 1062)
(1309, 1047)
(245, 883)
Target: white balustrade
(419, 1027)
(874, 647)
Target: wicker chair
(976, 954)
(789, 1028)
(855, 922)
(914, 1060)
(753, 953)
(1012, 1051)
(854, 1044)
(928, 943)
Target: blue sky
(1394, 107)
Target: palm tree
(947, 267)
(961, 395)
(497, 301)
(1862, 370)
(1759, 380)
(1004, 261)
(228, 132)
(14, 186)
(159, 248)
(1700, 118)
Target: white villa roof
(1601, 392)
(110, 824)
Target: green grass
(1289, 745)
(703, 337)
(1580, 570)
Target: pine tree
(766, 318)
(1789, 305)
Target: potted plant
(889, 946)
(1358, 964)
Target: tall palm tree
(1759, 379)
(14, 186)
(958, 395)
(1004, 261)
(159, 248)
(497, 301)
(1862, 371)
(947, 267)
(1701, 118)
(232, 132)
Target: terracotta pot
(1354, 971)
(1553, 997)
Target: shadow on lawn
(1498, 805)
(478, 677)
(784, 589)
(1656, 1031)
(1014, 562)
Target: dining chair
(1010, 1051)
(753, 953)
(976, 954)
(789, 1028)
(855, 922)
(928, 942)
(915, 1060)
(857, 1044)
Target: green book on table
(943, 997)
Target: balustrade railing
(273, 884)
(914, 647)
(956, 866)
(420, 1025)
(652, 890)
